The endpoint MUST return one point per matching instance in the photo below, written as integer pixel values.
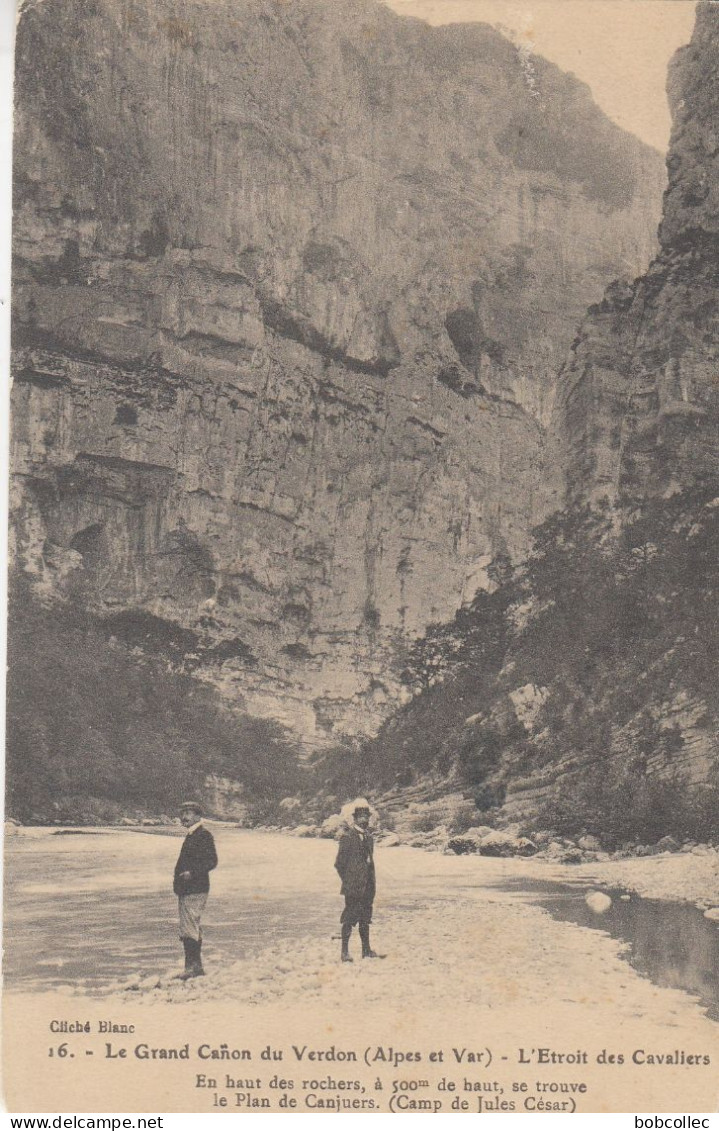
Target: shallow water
(88, 909)
(670, 943)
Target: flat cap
(194, 805)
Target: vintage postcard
(364, 488)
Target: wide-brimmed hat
(348, 810)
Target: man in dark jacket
(192, 883)
(355, 864)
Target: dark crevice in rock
(27, 336)
(126, 415)
(451, 377)
(234, 649)
(266, 510)
(87, 541)
(42, 379)
(433, 432)
(66, 269)
(297, 329)
(155, 240)
(214, 343)
(297, 651)
(140, 629)
(247, 578)
(464, 327)
(117, 463)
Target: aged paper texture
(364, 486)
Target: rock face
(583, 694)
(637, 428)
(638, 405)
(598, 708)
(292, 282)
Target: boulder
(598, 902)
(470, 840)
(668, 844)
(497, 844)
(478, 832)
(463, 845)
(589, 844)
(435, 838)
(542, 838)
(505, 843)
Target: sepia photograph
(363, 634)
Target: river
(84, 908)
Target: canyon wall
(638, 403)
(292, 283)
(636, 429)
(582, 695)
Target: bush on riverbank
(96, 730)
(626, 806)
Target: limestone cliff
(638, 403)
(292, 283)
(582, 694)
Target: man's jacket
(355, 864)
(198, 857)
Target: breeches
(356, 910)
(191, 908)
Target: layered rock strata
(638, 403)
(292, 282)
(637, 429)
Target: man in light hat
(192, 883)
(355, 864)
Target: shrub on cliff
(618, 628)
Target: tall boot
(367, 951)
(195, 962)
(197, 968)
(346, 932)
(187, 944)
